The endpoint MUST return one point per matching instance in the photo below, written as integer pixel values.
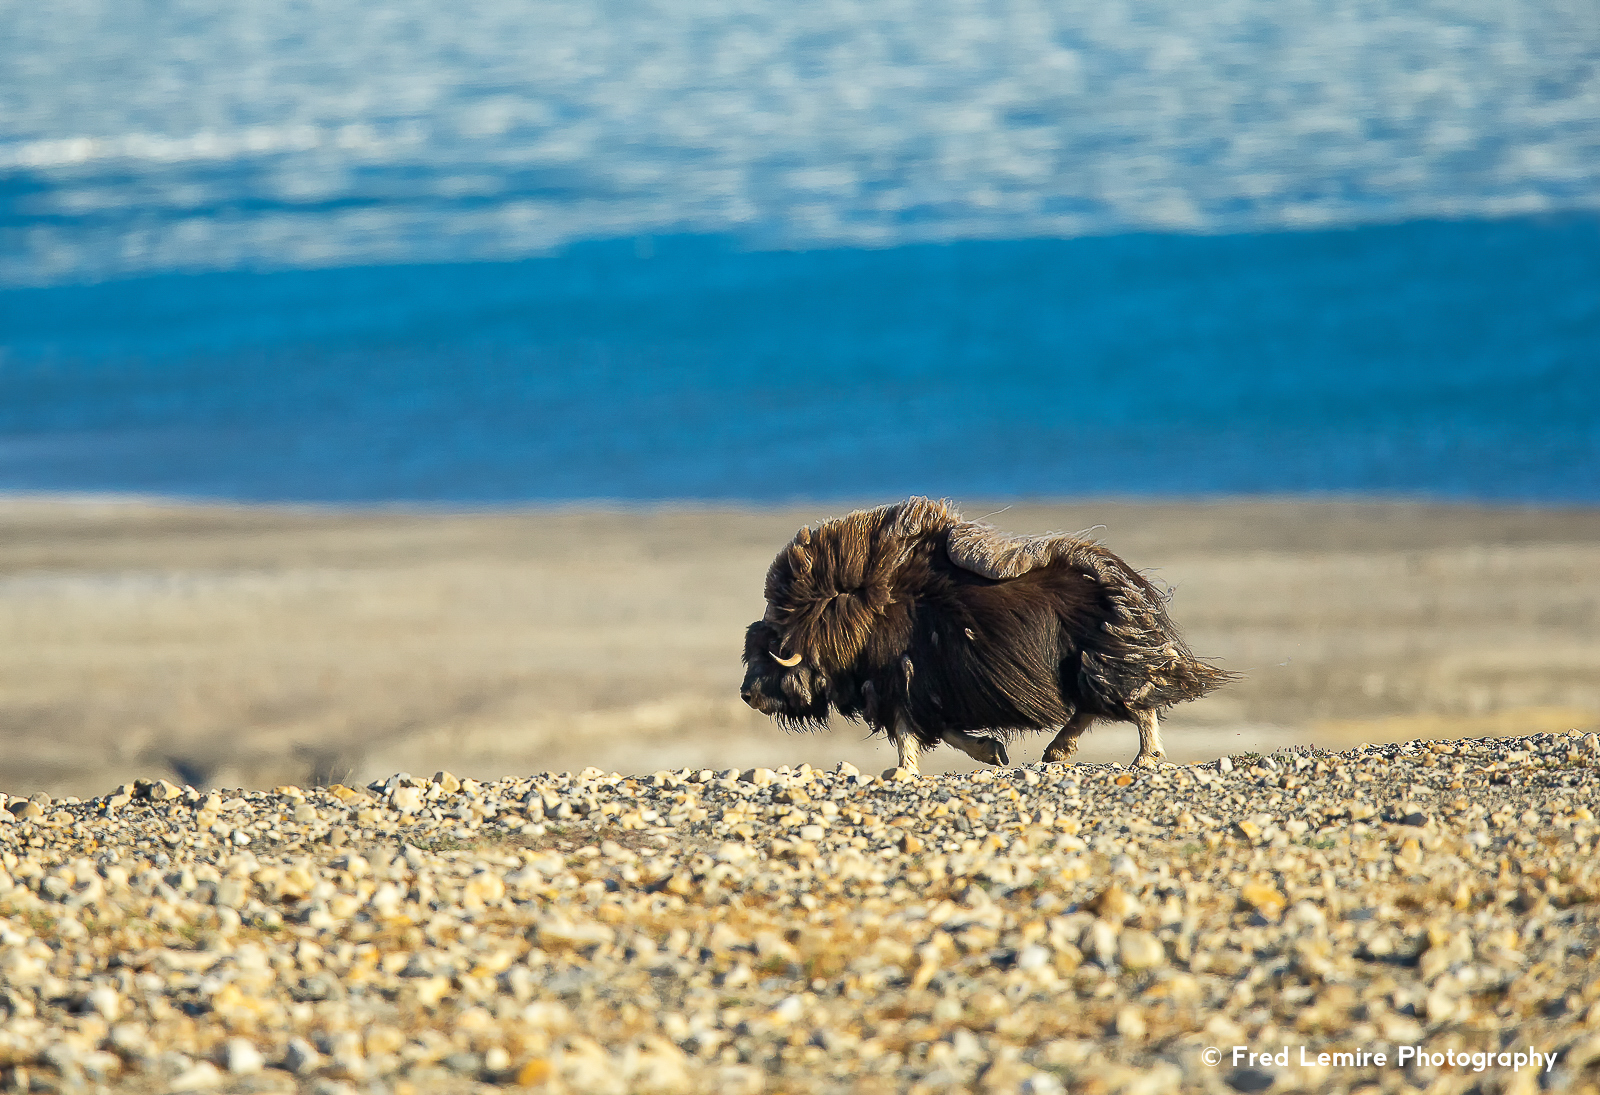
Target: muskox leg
(1150, 752)
(987, 750)
(904, 736)
(1064, 744)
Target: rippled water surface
(139, 136)
(502, 251)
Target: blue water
(1443, 359)
(504, 252)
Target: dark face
(796, 695)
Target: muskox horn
(789, 662)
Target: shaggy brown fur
(931, 628)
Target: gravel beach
(1037, 929)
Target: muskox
(930, 628)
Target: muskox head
(830, 597)
(779, 683)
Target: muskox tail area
(1137, 661)
(1133, 658)
(1137, 679)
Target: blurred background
(391, 386)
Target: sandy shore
(250, 647)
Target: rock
(407, 800)
(1034, 957)
(483, 888)
(105, 1000)
(1129, 1022)
(430, 991)
(301, 1057)
(533, 1073)
(558, 931)
(356, 866)
(1409, 858)
(1248, 831)
(788, 1011)
(99, 1066)
(1111, 904)
(241, 1057)
(448, 783)
(1265, 899)
(162, 791)
(1005, 1074)
(463, 1064)
(1443, 953)
(200, 1076)
(1099, 941)
(1139, 950)
(1250, 1081)
(132, 1041)
(327, 1085)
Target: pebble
(1140, 950)
(1034, 929)
(1130, 1023)
(407, 800)
(240, 1057)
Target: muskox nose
(745, 694)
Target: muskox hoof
(1062, 753)
(1149, 760)
(984, 750)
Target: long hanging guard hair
(828, 589)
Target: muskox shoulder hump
(990, 553)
